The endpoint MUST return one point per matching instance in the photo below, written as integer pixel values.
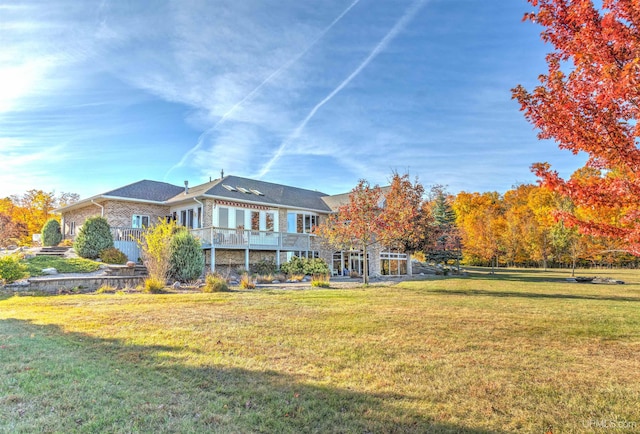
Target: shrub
(246, 282)
(214, 283)
(106, 289)
(67, 242)
(299, 277)
(187, 258)
(93, 238)
(51, 235)
(153, 285)
(265, 267)
(305, 266)
(12, 269)
(294, 266)
(261, 278)
(155, 245)
(312, 266)
(113, 256)
(320, 280)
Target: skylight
(228, 187)
(256, 192)
(244, 190)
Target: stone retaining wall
(57, 285)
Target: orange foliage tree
(356, 223)
(28, 212)
(589, 101)
(480, 217)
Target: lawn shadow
(521, 294)
(156, 389)
(521, 275)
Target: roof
(337, 200)
(146, 190)
(251, 190)
(230, 187)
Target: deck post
(213, 259)
(246, 259)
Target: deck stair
(59, 251)
(123, 270)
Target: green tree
(445, 237)
(51, 235)
(187, 257)
(93, 238)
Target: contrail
(397, 28)
(257, 89)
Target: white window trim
(140, 217)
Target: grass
(36, 264)
(521, 351)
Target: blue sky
(316, 94)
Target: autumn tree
(403, 223)
(356, 223)
(31, 210)
(11, 232)
(480, 217)
(588, 101)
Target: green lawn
(522, 351)
(36, 264)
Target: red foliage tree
(356, 223)
(589, 101)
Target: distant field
(521, 351)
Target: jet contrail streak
(257, 88)
(397, 28)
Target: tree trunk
(365, 265)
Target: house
(240, 221)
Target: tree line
(24, 215)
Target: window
(183, 217)
(139, 221)
(301, 223)
(310, 222)
(72, 228)
(189, 219)
(240, 218)
(255, 220)
(270, 220)
(223, 217)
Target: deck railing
(126, 234)
(231, 238)
(247, 238)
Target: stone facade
(207, 219)
(119, 213)
(76, 218)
